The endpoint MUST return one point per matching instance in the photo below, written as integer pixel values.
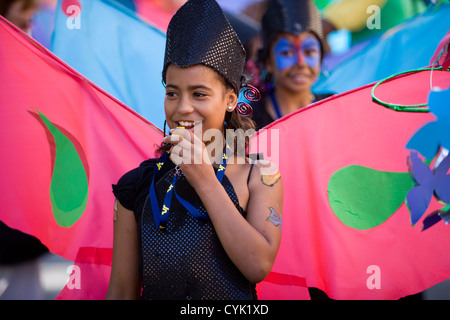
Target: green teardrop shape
(69, 183)
(363, 198)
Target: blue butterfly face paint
(287, 53)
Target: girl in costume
(292, 52)
(186, 226)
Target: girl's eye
(171, 94)
(199, 95)
(310, 52)
(285, 52)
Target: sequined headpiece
(294, 16)
(199, 33)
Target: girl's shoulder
(131, 182)
(138, 174)
(252, 166)
(264, 171)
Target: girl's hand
(190, 154)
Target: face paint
(310, 48)
(287, 53)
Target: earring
(230, 107)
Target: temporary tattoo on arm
(271, 179)
(274, 217)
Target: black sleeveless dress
(185, 260)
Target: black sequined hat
(199, 33)
(293, 16)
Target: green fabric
(69, 183)
(363, 198)
(321, 4)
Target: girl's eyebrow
(199, 86)
(309, 40)
(168, 85)
(191, 87)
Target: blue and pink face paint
(288, 53)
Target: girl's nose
(298, 50)
(185, 106)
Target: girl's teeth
(188, 124)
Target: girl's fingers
(173, 139)
(187, 148)
(178, 135)
(181, 152)
(185, 134)
(176, 155)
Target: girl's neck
(289, 101)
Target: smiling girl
(292, 55)
(187, 229)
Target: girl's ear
(268, 66)
(268, 59)
(232, 100)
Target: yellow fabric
(350, 14)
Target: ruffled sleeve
(125, 189)
(132, 188)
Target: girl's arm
(124, 282)
(251, 243)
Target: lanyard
(275, 104)
(161, 216)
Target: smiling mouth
(300, 78)
(299, 75)
(188, 124)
